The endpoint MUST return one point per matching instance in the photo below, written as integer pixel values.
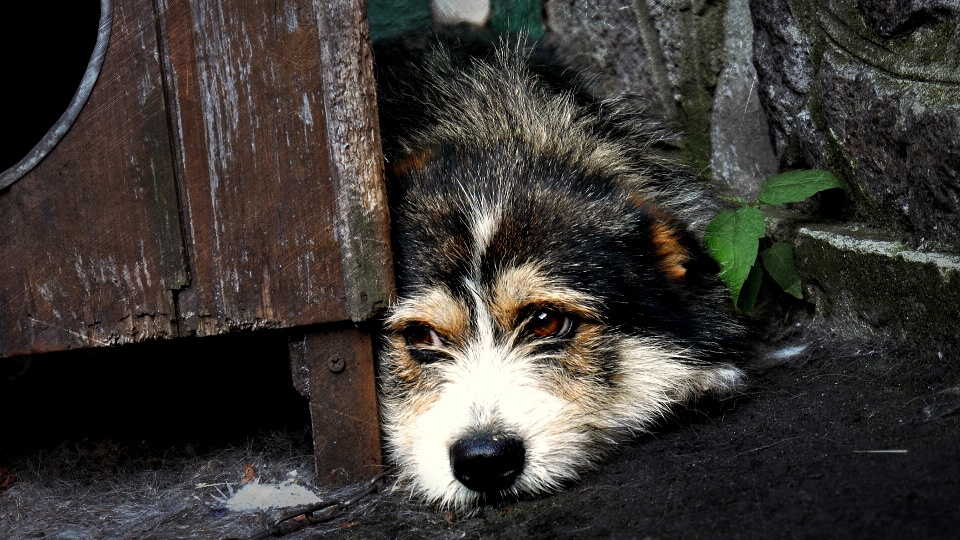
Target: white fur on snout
(490, 389)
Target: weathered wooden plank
(356, 159)
(343, 401)
(266, 218)
(90, 242)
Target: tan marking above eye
(520, 289)
(435, 310)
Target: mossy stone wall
(871, 90)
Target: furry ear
(670, 252)
(408, 164)
(680, 254)
(667, 238)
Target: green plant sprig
(733, 237)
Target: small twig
(949, 412)
(765, 447)
(330, 510)
(880, 451)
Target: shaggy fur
(553, 294)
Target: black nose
(488, 462)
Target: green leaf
(751, 287)
(780, 263)
(795, 186)
(733, 240)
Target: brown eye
(547, 323)
(422, 336)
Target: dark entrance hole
(44, 51)
(199, 391)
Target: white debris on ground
(257, 497)
(104, 491)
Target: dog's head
(550, 300)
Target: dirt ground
(844, 440)
(865, 445)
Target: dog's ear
(671, 248)
(408, 164)
(668, 246)
(679, 255)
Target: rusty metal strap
(60, 128)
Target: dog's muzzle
(487, 462)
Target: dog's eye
(422, 336)
(547, 323)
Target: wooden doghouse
(220, 171)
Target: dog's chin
(451, 495)
(455, 497)
(464, 502)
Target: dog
(553, 294)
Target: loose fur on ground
(554, 297)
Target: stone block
(866, 285)
(691, 62)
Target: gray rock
(889, 18)
(869, 285)
(786, 74)
(871, 90)
(586, 31)
(690, 60)
(903, 139)
(741, 153)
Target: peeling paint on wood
(225, 175)
(90, 239)
(274, 221)
(353, 136)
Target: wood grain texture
(270, 222)
(90, 243)
(226, 174)
(353, 135)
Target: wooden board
(90, 243)
(225, 175)
(335, 365)
(270, 220)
